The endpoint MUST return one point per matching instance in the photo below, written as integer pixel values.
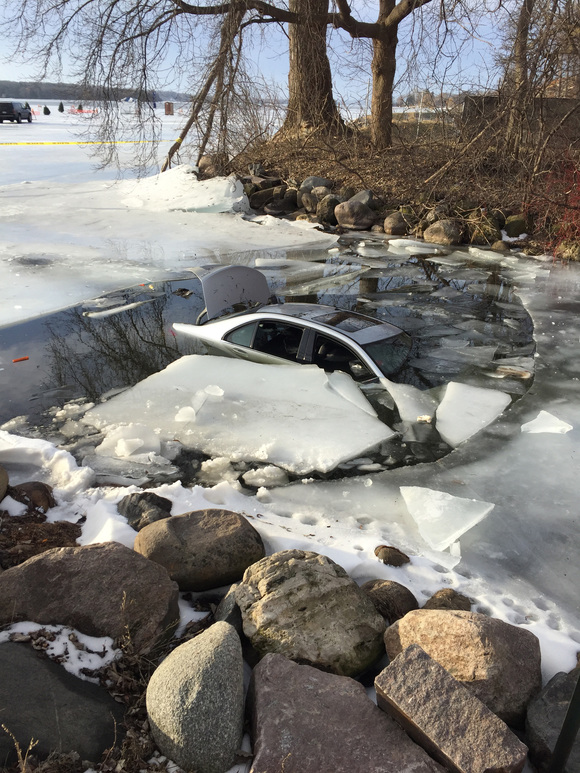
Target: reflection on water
(464, 317)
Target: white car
(239, 320)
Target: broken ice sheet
(465, 410)
(412, 403)
(291, 416)
(442, 518)
(546, 422)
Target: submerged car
(241, 320)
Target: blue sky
(351, 70)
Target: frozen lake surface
(504, 324)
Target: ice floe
(442, 518)
(547, 422)
(293, 417)
(465, 410)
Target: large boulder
(203, 549)
(307, 721)
(354, 215)
(498, 662)
(195, 701)
(101, 590)
(40, 700)
(448, 231)
(305, 606)
(545, 718)
(446, 718)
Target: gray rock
(143, 508)
(545, 718)
(395, 224)
(516, 225)
(367, 198)
(40, 700)
(203, 549)
(260, 198)
(391, 599)
(3, 482)
(309, 201)
(446, 718)
(444, 232)
(500, 246)
(498, 662)
(305, 606)
(307, 721)
(440, 211)
(101, 590)
(314, 182)
(447, 598)
(195, 701)
(325, 210)
(354, 215)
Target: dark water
(464, 320)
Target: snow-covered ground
(68, 234)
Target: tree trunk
(311, 102)
(521, 81)
(383, 69)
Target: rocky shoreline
(455, 689)
(444, 220)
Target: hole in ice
(480, 325)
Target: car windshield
(390, 354)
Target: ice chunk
(126, 440)
(440, 517)
(283, 415)
(411, 402)
(32, 452)
(266, 477)
(546, 422)
(465, 410)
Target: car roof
(358, 327)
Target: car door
(266, 340)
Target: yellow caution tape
(104, 142)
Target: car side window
(332, 355)
(278, 338)
(242, 336)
